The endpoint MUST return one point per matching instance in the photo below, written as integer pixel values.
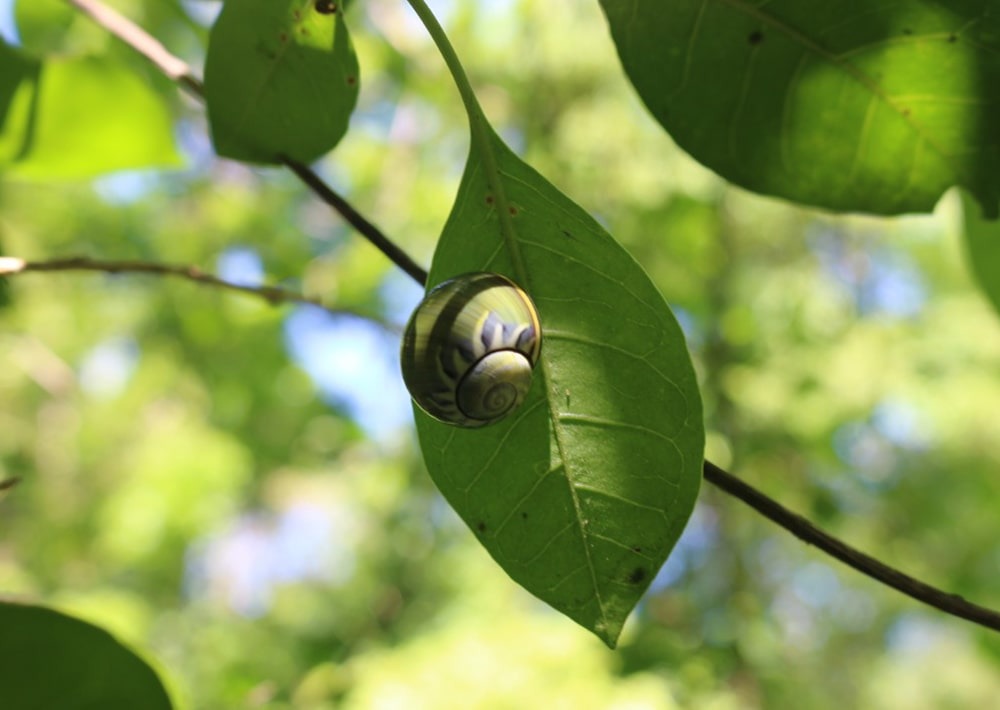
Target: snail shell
(469, 349)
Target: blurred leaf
(281, 78)
(81, 117)
(581, 494)
(18, 77)
(982, 241)
(846, 104)
(49, 660)
(42, 25)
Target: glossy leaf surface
(850, 104)
(281, 78)
(581, 493)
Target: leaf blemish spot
(489, 199)
(351, 80)
(637, 575)
(755, 37)
(524, 516)
(513, 211)
(481, 526)
(907, 31)
(952, 38)
(326, 7)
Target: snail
(469, 349)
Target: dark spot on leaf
(905, 112)
(513, 211)
(296, 15)
(637, 550)
(524, 516)
(489, 199)
(952, 38)
(351, 80)
(304, 31)
(326, 7)
(755, 37)
(283, 37)
(637, 575)
(481, 526)
(9, 483)
(907, 31)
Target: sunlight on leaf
(117, 122)
(844, 104)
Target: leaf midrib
(482, 138)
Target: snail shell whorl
(469, 349)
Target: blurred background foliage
(235, 489)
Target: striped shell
(469, 349)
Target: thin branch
(8, 483)
(10, 266)
(866, 564)
(141, 41)
(357, 220)
(766, 506)
(178, 70)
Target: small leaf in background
(281, 78)
(49, 660)
(982, 244)
(118, 123)
(43, 25)
(18, 78)
(876, 107)
(581, 493)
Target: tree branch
(357, 220)
(178, 70)
(10, 266)
(867, 565)
(766, 506)
(8, 483)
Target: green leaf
(281, 78)
(581, 493)
(42, 25)
(49, 660)
(18, 78)
(76, 118)
(847, 104)
(982, 244)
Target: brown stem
(274, 295)
(866, 564)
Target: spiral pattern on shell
(469, 349)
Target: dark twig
(357, 220)
(274, 295)
(809, 533)
(177, 69)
